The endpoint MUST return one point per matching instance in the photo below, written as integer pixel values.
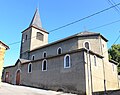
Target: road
(8, 89)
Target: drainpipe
(90, 73)
(104, 77)
(90, 83)
(103, 67)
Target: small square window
(33, 57)
(44, 54)
(39, 36)
(59, 50)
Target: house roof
(36, 20)
(19, 60)
(87, 33)
(81, 34)
(23, 60)
(4, 45)
(112, 61)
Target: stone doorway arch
(7, 77)
(18, 77)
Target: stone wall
(2, 54)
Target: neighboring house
(3, 48)
(77, 64)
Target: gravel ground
(8, 89)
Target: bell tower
(33, 37)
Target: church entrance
(18, 77)
(7, 77)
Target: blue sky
(16, 15)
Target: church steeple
(33, 37)
(36, 20)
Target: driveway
(8, 89)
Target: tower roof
(36, 20)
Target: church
(76, 64)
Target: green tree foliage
(114, 54)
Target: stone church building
(77, 64)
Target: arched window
(59, 50)
(30, 68)
(67, 61)
(95, 61)
(39, 36)
(44, 54)
(33, 57)
(44, 65)
(87, 45)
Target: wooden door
(18, 77)
(7, 77)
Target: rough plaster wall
(57, 77)
(51, 50)
(94, 43)
(110, 75)
(26, 43)
(35, 42)
(12, 73)
(94, 74)
(2, 54)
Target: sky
(16, 15)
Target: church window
(33, 57)
(67, 61)
(59, 50)
(39, 36)
(44, 54)
(29, 68)
(95, 61)
(26, 37)
(44, 65)
(113, 67)
(87, 45)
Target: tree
(114, 54)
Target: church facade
(77, 64)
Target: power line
(114, 41)
(104, 25)
(14, 43)
(117, 38)
(116, 6)
(88, 30)
(111, 2)
(74, 21)
(85, 17)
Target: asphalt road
(8, 89)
